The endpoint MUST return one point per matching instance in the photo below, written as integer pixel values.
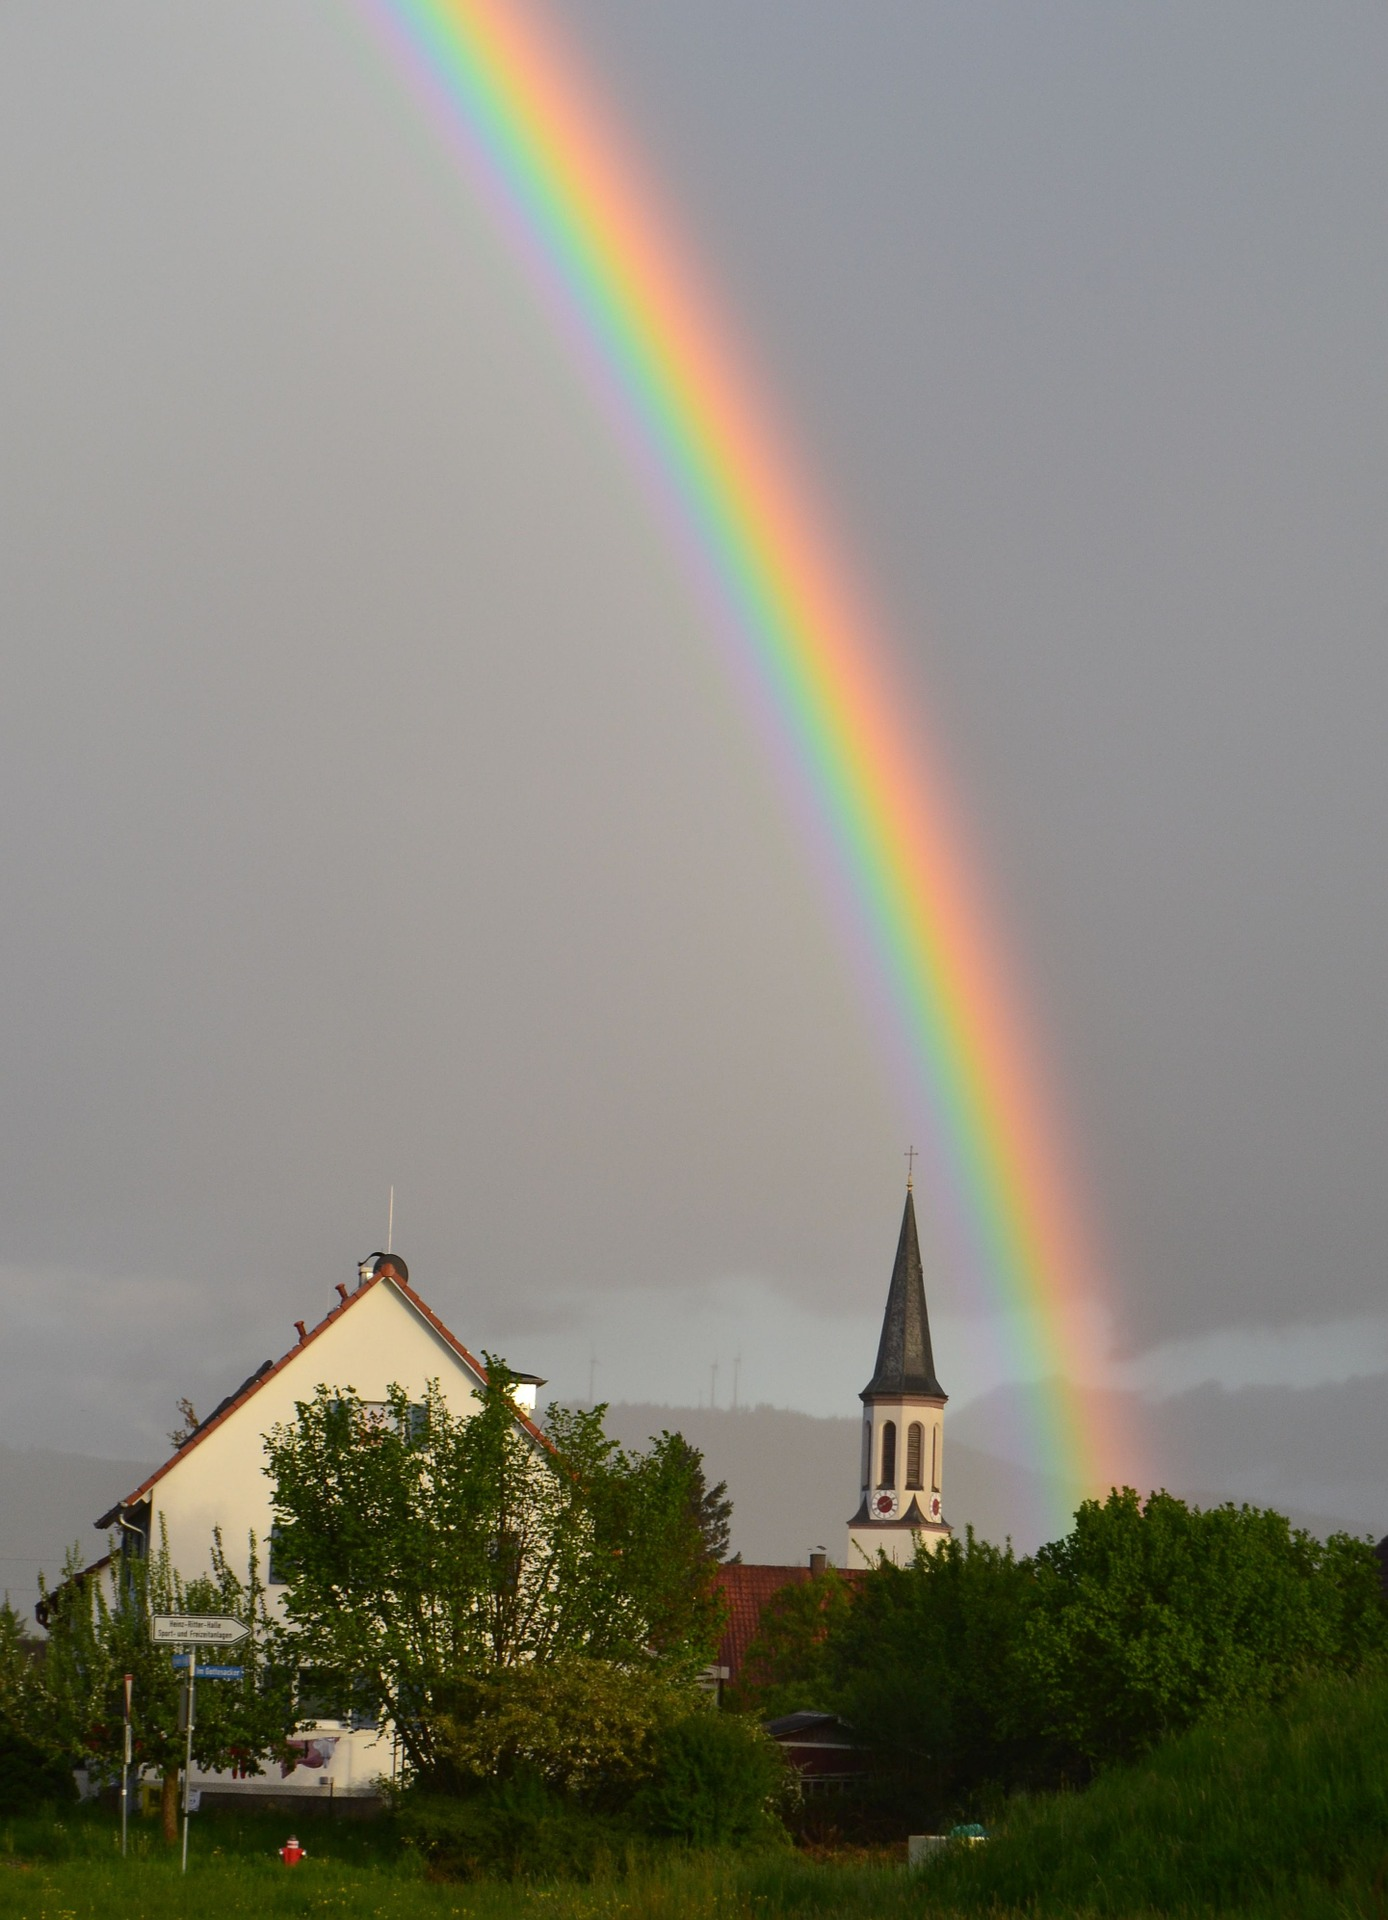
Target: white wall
(380, 1341)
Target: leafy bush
(31, 1779)
(717, 1782)
(513, 1829)
(583, 1727)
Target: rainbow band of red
(513, 108)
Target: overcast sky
(372, 805)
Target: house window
(378, 1416)
(934, 1459)
(319, 1696)
(504, 1552)
(888, 1474)
(915, 1454)
(274, 1571)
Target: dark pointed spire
(905, 1363)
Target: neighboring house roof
(810, 1729)
(267, 1371)
(746, 1591)
(819, 1745)
(905, 1362)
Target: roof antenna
(910, 1158)
(390, 1221)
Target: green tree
(787, 1667)
(924, 1667)
(1150, 1615)
(20, 1675)
(426, 1547)
(98, 1629)
(30, 1774)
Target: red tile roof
(746, 1589)
(257, 1381)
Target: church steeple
(900, 1485)
(905, 1363)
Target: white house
(902, 1469)
(377, 1335)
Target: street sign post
(188, 1757)
(196, 1630)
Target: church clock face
(934, 1506)
(884, 1506)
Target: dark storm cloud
(374, 810)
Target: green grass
(72, 1870)
(1281, 1814)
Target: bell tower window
(935, 1459)
(915, 1454)
(888, 1474)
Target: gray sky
(373, 807)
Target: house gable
(379, 1335)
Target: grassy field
(73, 1871)
(1281, 1814)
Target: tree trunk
(168, 1804)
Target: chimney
(819, 1560)
(302, 1331)
(342, 1291)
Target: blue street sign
(212, 1673)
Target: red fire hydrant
(291, 1852)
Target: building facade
(378, 1335)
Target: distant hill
(48, 1501)
(794, 1478)
(1314, 1454)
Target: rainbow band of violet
(513, 108)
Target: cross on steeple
(910, 1158)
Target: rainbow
(514, 110)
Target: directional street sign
(197, 1630)
(211, 1673)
